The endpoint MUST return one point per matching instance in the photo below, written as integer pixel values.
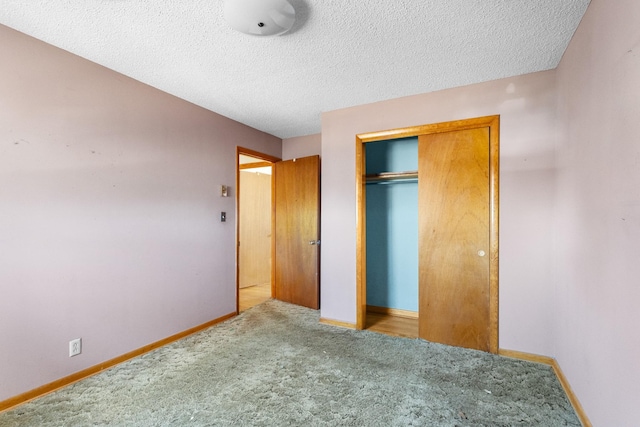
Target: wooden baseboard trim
(393, 312)
(529, 357)
(556, 368)
(85, 373)
(338, 323)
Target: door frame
(493, 123)
(271, 160)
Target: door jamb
(493, 122)
(269, 159)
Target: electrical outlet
(75, 347)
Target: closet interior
(392, 224)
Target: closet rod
(391, 176)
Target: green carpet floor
(275, 365)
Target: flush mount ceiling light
(260, 17)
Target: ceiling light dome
(260, 17)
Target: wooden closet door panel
(454, 227)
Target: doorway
(457, 174)
(293, 257)
(254, 207)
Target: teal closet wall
(392, 226)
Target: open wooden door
(297, 231)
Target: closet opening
(391, 180)
(427, 232)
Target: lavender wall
(109, 225)
(597, 256)
(108, 209)
(570, 205)
(301, 146)
(528, 137)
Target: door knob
(481, 253)
(314, 242)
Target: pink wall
(598, 217)
(528, 137)
(109, 225)
(302, 146)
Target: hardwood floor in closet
(254, 295)
(392, 325)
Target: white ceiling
(340, 53)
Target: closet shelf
(391, 176)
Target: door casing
(269, 159)
(491, 122)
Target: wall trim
(96, 369)
(550, 361)
(338, 323)
(255, 165)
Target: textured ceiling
(340, 53)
